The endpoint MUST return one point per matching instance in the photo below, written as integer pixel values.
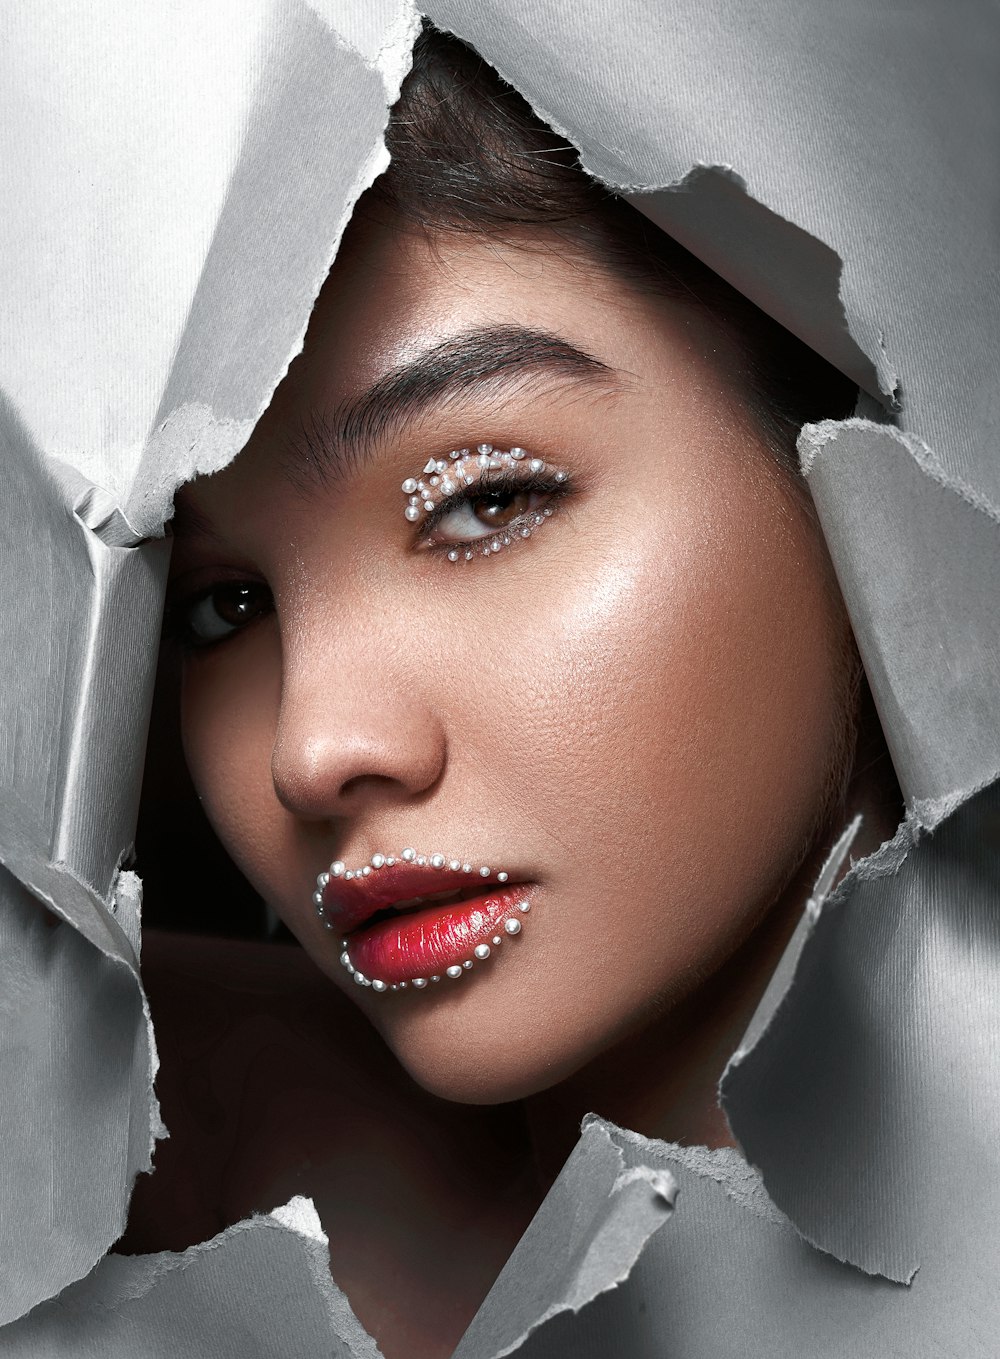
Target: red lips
(348, 903)
(394, 936)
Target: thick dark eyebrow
(330, 446)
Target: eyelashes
(444, 500)
(465, 479)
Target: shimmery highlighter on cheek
(464, 468)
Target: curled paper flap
(583, 1241)
(919, 556)
(260, 1290)
(870, 1102)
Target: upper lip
(349, 904)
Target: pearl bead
(402, 986)
(524, 906)
(317, 898)
(345, 959)
(408, 486)
(322, 880)
(428, 505)
(409, 855)
(502, 877)
(430, 465)
(497, 940)
(484, 872)
(435, 978)
(378, 860)
(348, 876)
(366, 871)
(454, 865)
(454, 971)
(484, 448)
(337, 868)
(379, 985)
(361, 979)
(453, 555)
(437, 860)
(412, 513)
(466, 868)
(536, 465)
(482, 951)
(421, 858)
(512, 926)
(518, 453)
(420, 982)
(467, 964)
(561, 476)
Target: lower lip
(424, 943)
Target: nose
(353, 729)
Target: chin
(469, 1054)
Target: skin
(647, 708)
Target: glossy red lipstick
(418, 919)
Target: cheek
(229, 708)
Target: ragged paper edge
(192, 441)
(868, 340)
(883, 862)
(815, 437)
(927, 812)
(657, 1192)
(126, 1279)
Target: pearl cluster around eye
(443, 476)
(510, 927)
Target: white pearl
(484, 872)
(361, 979)
(482, 951)
(561, 476)
(348, 876)
(497, 940)
(409, 855)
(428, 505)
(512, 926)
(526, 532)
(502, 877)
(345, 959)
(437, 860)
(420, 982)
(466, 868)
(435, 978)
(378, 860)
(409, 485)
(337, 868)
(366, 871)
(484, 448)
(379, 985)
(518, 453)
(454, 971)
(430, 465)
(412, 513)
(421, 858)
(317, 898)
(454, 865)
(467, 964)
(524, 906)
(536, 465)
(402, 986)
(322, 880)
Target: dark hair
(469, 155)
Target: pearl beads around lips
(423, 497)
(338, 869)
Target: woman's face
(635, 710)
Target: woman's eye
(483, 514)
(221, 611)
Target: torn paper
(583, 1241)
(260, 1290)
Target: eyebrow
(327, 447)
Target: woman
(515, 598)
